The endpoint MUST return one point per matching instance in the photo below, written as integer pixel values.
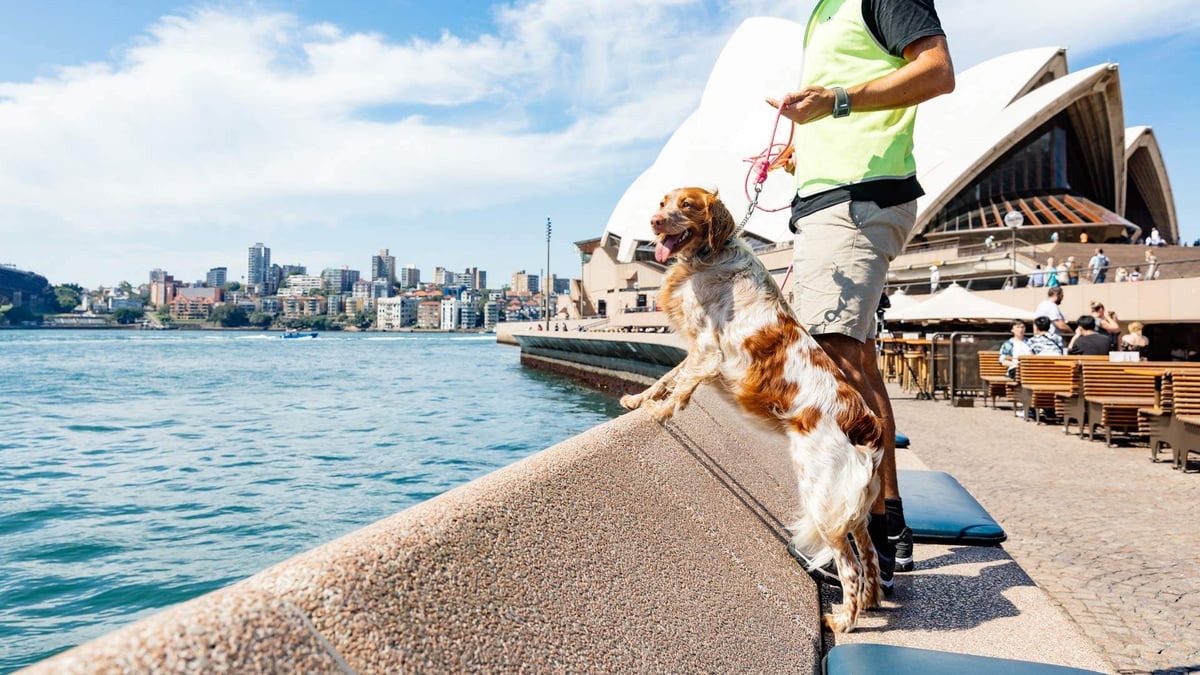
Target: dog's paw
(631, 401)
(661, 411)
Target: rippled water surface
(138, 470)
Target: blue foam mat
(901, 440)
(940, 511)
(862, 659)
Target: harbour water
(141, 469)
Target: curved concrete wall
(631, 547)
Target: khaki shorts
(841, 261)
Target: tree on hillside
(262, 319)
(229, 316)
(128, 315)
(16, 315)
(233, 286)
(125, 288)
(67, 297)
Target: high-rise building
(216, 277)
(451, 309)
(523, 283)
(491, 314)
(410, 276)
(383, 266)
(442, 276)
(159, 275)
(339, 280)
(478, 278)
(258, 269)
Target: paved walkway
(1113, 538)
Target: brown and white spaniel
(741, 333)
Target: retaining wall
(631, 547)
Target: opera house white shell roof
(995, 107)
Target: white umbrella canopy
(957, 303)
(900, 300)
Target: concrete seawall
(631, 547)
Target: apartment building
(383, 266)
(429, 314)
(216, 277)
(410, 276)
(258, 269)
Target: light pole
(546, 282)
(1014, 220)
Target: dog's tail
(837, 486)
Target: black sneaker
(826, 575)
(904, 550)
(887, 569)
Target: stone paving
(1113, 538)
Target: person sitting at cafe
(1014, 348)
(1134, 341)
(1043, 341)
(1087, 341)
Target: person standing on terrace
(1098, 266)
(867, 64)
(1049, 309)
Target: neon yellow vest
(840, 51)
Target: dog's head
(687, 220)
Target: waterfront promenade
(1109, 535)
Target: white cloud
(227, 124)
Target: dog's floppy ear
(720, 223)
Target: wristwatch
(841, 102)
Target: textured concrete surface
(631, 547)
(1109, 535)
(973, 600)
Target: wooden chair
(1113, 396)
(994, 376)
(1185, 420)
(1040, 378)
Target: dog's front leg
(655, 391)
(703, 364)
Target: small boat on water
(297, 335)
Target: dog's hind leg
(871, 593)
(850, 573)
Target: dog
(741, 333)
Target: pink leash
(773, 157)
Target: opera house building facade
(1024, 161)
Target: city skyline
(158, 134)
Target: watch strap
(841, 102)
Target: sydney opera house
(1022, 136)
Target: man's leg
(841, 258)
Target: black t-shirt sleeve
(897, 24)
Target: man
(1098, 266)
(867, 64)
(1087, 341)
(1049, 309)
(1035, 279)
(1014, 348)
(1043, 341)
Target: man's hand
(806, 105)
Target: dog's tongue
(666, 246)
(662, 253)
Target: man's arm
(928, 73)
(1062, 325)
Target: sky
(143, 134)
